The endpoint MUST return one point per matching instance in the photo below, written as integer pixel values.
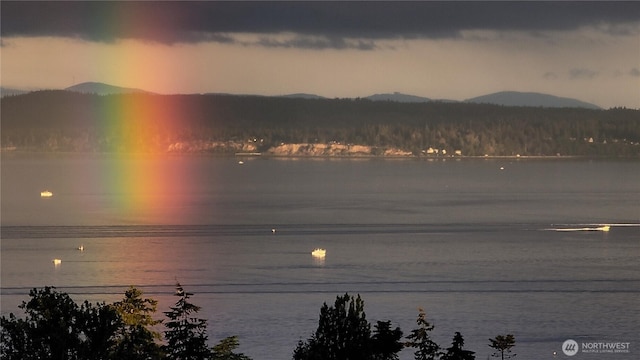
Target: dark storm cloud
(318, 24)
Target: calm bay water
(473, 242)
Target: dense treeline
(67, 121)
(55, 327)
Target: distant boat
(81, 247)
(46, 194)
(604, 228)
(57, 261)
(319, 253)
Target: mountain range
(11, 91)
(102, 89)
(514, 98)
(398, 97)
(504, 98)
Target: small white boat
(604, 228)
(319, 253)
(46, 194)
(81, 247)
(57, 261)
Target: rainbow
(141, 177)
(139, 123)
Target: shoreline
(324, 156)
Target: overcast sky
(441, 50)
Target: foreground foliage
(420, 339)
(55, 327)
(186, 336)
(344, 333)
(456, 351)
(502, 345)
(135, 338)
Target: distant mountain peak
(11, 91)
(398, 97)
(533, 99)
(302, 96)
(102, 89)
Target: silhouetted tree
(186, 335)
(503, 344)
(16, 341)
(135, 339)
(345, 334)
(385, 343)
(224, 350)
(49, 331)
(303, 350)
(55, 327)
(456, 351)
(420, 339)
(99, 324)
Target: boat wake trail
(590, 227)
(604, 228)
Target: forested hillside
(68, 121)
